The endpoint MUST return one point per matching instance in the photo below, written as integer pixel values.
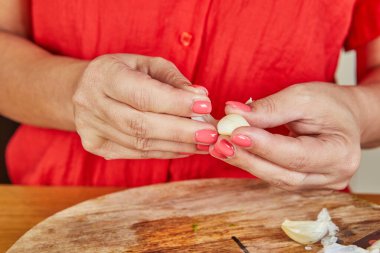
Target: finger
(274, 110)
(265, 170)
(137, 143)
(111, 151)
(147, 125)
(96, 144)
(167, 72)
(144, 93)
(162, 70)
(303, 153)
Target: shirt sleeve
(365, 24)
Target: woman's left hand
(322, 150)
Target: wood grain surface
(22, 207)
(195, 216)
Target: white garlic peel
(308, 232)
(338, 248)
(199, 118)
(230, 122)
(375, 246)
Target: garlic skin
(199, 118)
(230, 122)
(308, 232)
(375, 246)
(205, 118)
(249, 101)
(338, 248)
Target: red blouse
(236, 48)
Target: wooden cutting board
(195, 216)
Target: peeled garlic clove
(230, 122)
(305, 232)
(308, 232)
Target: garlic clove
(230, 122)
(308, 232)
(305, 232)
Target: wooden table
(22, 207)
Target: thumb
(275, 110)
(167, 72)
(161, 70)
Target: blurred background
(366, 179)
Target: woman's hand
(132, 107)
(322, 150)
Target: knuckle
(161, 60)
(142, 100)
(290, 183)
(142, 144)
(340, 186)
(261, 150)
(351, 164)
(88, 146)
(137, 126)
(279, 183)
(144, 154)
(105, 150)
(299, 162)
(266, 104)
(304, 94)
(177, 137)
(80, 100)
(174, 76)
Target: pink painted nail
(239, 106)
(200, 87)
(206, 136)
(202, 107)
(216, 154)
(225, 148)
(202, 147)
(241, 140)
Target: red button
(186, 39)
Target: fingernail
(239, 106)
(202, 107)
(241, 140)
(225, 148)
(216, 154)
(206, 136)
(202, 147)
(200, 87)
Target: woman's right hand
(138, 107)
